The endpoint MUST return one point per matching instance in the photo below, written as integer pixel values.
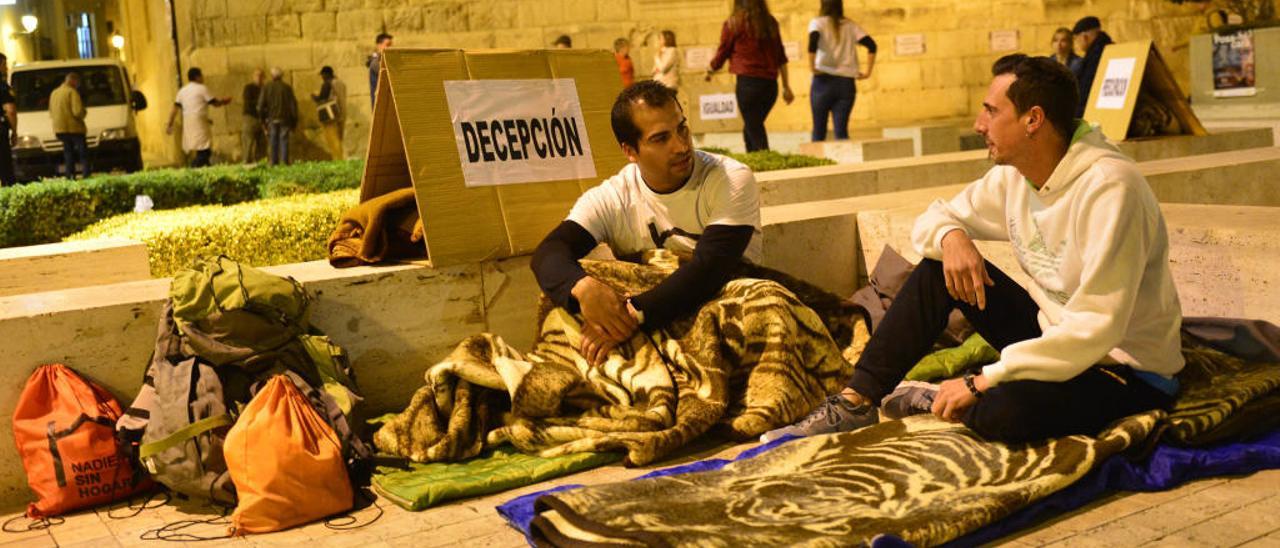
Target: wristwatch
(968, 383)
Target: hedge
(52, 209)
(768, 160)
(272, 231)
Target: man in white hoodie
(1096, 335)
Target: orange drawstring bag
(285, 461)
(65, 430)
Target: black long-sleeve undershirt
(718, 251)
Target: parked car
(110, 102)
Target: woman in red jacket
(752, 44)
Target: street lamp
(29, 23)
(117, 41)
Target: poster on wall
(698, 58)
(1233, 64)
(718, 106)
(519, 131)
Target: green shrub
(52, 209)
(768, 160)
(266, 232)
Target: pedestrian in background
(666, 63)
(833, 58)
(253, 134)
(66, 109)
(8, 124)
(562, 42)
(1091, 40)
(752, 44)
(626, 68)
(1063, 45)
(331, 110)
(279, 108)
(193, 101)
(381, 43)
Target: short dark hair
(1086, 23)
(650, 92)
(563, 39)
(382, 37)
(193, 73)
(326, 71)
(1042, 82)
(3, 57)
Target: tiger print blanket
(922, 479)
(756, 357)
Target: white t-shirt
(838, 57)
(194, 98)
(626, 214)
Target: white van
(109, 100)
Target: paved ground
(1240, 511)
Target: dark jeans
(201, 158)
(832, 95)
(6, 157)
(278, 142)
(756, 97)
(1014, 410)
(75, 146)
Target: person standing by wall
(382, 42)
(562, 42)
(1091, 40)
(666, 64)
(752, 44)
(331, 109)
(279, 108)
(66, 109)
(252, 132)
(833, 58)
(8, 124)
(1063, 45)
(193, 101)
(626, 68)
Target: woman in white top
(666, 67)
(833, 58)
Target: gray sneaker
(909, 398)
(835, 414)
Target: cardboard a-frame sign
(712, 106)
(1153, 107)
(497, 144)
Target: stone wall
(229, 38)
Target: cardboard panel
(1139, 71)
(413, 142)
(696, 87)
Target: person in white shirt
(1093, 338)
(670, 196)
(833, 59)
(666, 63)
(193, 101)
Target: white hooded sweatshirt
(1093, 240)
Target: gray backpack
(206, 367)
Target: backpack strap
(181, 435)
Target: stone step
(862, 150)
(935, 139)
(64, 265)
(848, 180)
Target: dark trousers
(834, 96)
(202, 158)
(756, 97)
(75, 146)
(278, 142)
(1013, 410)
(6, 157)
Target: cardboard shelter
(1114, 98)
(489, 187)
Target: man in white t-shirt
(669, 197)
(193, 101)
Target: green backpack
(227, 329)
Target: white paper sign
(792, 49)
(519, 131)
(718, 106)
(698, 58)
(1115, 83)
(1004, 40)
(908, 44)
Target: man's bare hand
(606, 308)
(964, 269)
(954, 397)
(596, 344)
